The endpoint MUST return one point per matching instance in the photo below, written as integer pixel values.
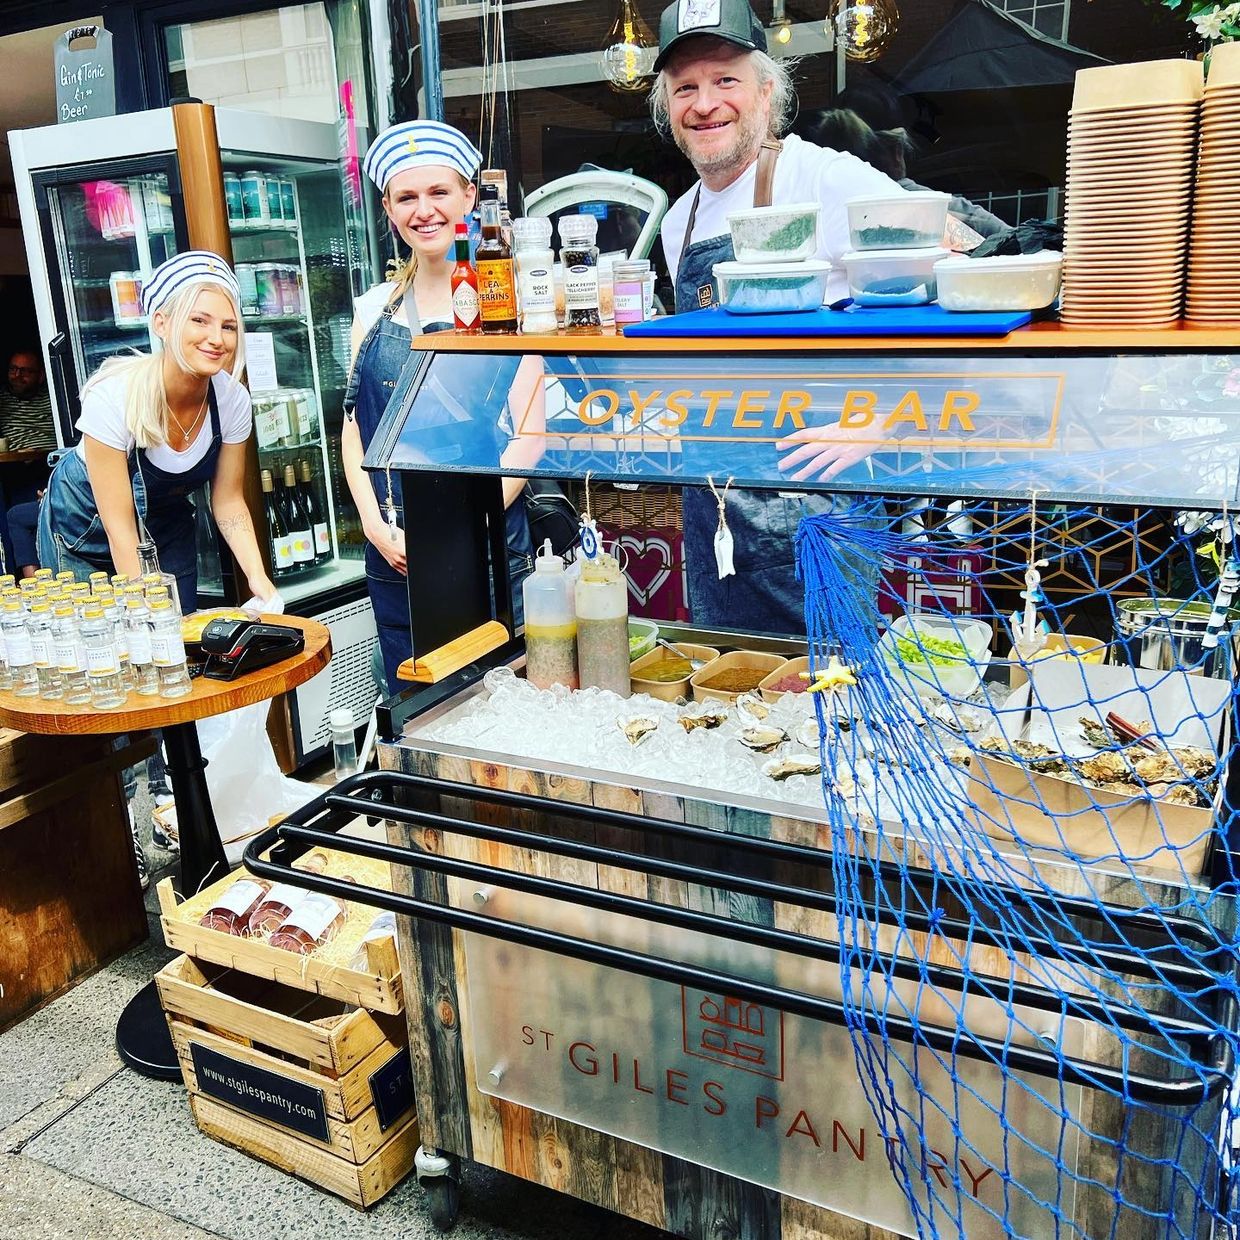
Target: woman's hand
(261, 586)
(392, 549)
(819, 453)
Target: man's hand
(819, 453)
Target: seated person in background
(23, 522)
(887, 150)
(25, 407)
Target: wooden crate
(316, 1087)
(327, 972)
(69, 895)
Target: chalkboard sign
(85, 83)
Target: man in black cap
(725, 102)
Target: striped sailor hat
(418, 144)
(191, 267)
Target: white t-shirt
(103, 419)
(369, 306)
(803, 173)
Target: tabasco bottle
(497, 285)
(464, 285)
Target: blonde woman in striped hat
(154, 427)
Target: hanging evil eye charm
(589, 538)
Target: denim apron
(764, 594)
(384, 371)
(71, 533)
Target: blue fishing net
(1028, 788)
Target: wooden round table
(142, 1033)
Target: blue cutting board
(852, 321)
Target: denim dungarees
(71, 533)
(382, 375)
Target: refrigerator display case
(103, 203)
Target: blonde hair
(146, 402)
(777, 72)
(402, 271)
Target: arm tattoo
(234, 524)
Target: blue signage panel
(1150, 428)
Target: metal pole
(432, 82)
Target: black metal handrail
(298, 832)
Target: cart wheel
(443, 1198)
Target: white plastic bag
(246, 784)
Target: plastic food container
(893, 277)
(641, 638)
(772, 288)
(898, 221)
(794, 667)
(1002, 282)
(957, 677)
(753, 664)
(776, 234)
(645, 671)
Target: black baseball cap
(732, 20)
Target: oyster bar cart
(641, 989)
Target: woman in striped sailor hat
(425, 171)
(154, 427)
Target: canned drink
(275, 200)
(249, 287)
(232, 196)
(288, 290)
(303, 400)
(267, 286)
(254, 202)
(288, 200)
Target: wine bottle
(315, 511)
(277, 527)
(298, 522)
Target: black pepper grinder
(579, 256)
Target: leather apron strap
(764, 181)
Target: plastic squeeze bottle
(550, 622)
(601, 601)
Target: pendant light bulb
(627, 62)
(781, 26)
(863, 28)
(783, 31)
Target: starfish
(834, 677)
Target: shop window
(279, 62)
(1048, 19)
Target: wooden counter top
(1037, 337)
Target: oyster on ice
(702, 715)
(806, 733)
(763, 737)
(751, 708)
(637, 727)
(788, 765)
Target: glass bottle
(497, 288)
(43, 644)
(114, 613)
(44, 574)
(145, 676)
(7, 582)
(18, 650)
(70, 654)
(168, 650)
(464, 285)
(550, 622)
(65, 577)
(99, 638)
(314, 510)
(6, 675)
(280, 901)
(579, 256)
(230, 914)
(535, 278)
(601, 603)
(298, 522)
(148, 567)
(314, 921)
(629, 290)
(281, 539)
(98, 581)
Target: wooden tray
(326, 972)
(269, 1049)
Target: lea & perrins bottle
(497, 285)
(464, 286)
